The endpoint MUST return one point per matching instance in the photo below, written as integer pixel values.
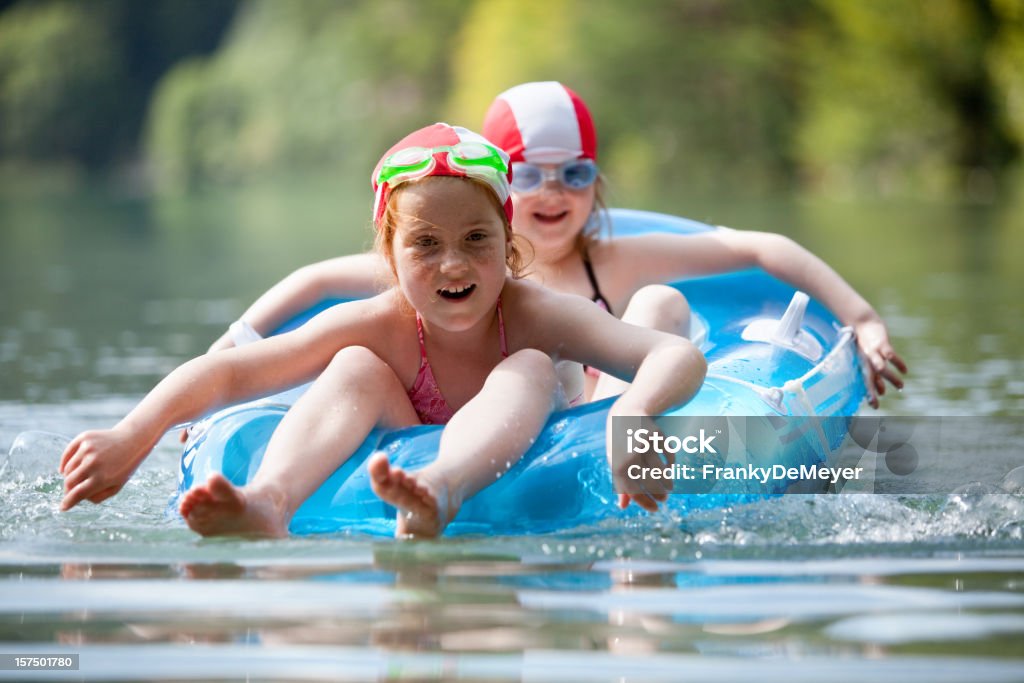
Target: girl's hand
(647, 493)
(879, 359)
(96, 464)
(648, 501)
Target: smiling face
(552, 217)
(448, 250)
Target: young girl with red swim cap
(458, 339)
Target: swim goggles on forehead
(474, 159)
(577, 174)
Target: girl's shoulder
(384, 323)
(522, 295)
(524, 302)
(538, 317)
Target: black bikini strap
(598, 297)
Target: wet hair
(516, 245)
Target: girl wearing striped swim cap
(549, 134)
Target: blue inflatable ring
(564, 481)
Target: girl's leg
(483, 440)
(573, 380)
(356, 392)
(659, 307)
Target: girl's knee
(573, 380)
(358, 360)
(534, 365)
(356, 375)
(660, 307)
(661, 298)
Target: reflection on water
(397, 609)
(101, 297)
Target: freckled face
(553, 216)
(449, 250)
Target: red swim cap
(441, 150)
(541, 122)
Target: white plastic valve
(787, 332)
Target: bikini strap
(598, 296)
(501, 331)
(423, 344)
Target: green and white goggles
(474, 159)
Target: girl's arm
(346, 277)
(96, 464)
(669, 375)
(665, 370)
(669, 257)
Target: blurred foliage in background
(922, 97)
(76, 78)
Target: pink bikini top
(430, 405)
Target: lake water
(101, 295)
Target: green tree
(1005, 61)
(311, 85)
(900, 97)
(76, 78)
(59, 74)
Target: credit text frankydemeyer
(749, 471)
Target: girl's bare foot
(219, 508)
(423, 506)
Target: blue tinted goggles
(578, 174)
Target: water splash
(34, 454)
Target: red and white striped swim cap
(542, 122)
